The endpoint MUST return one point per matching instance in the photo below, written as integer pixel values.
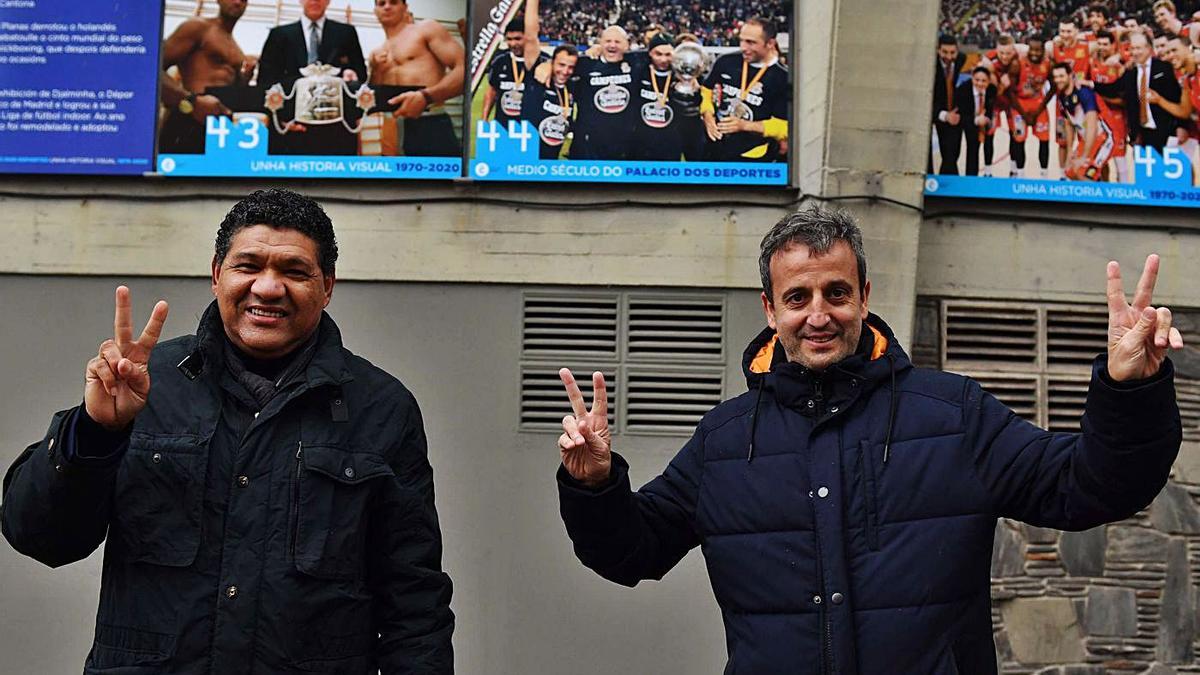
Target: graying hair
(818, 228)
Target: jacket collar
(328, 364)
(878, 357)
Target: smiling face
(818, 308)
(270, 290)
(514, 39)
(1037, 52)
(980, 80)
(660, 57)
(614, 42)
(947, 53)
(563, 67)
(753, 43)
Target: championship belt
(611, 99)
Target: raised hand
(586, 442)
(1138, 334)
(117, 380)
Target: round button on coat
(243, 481)
(822, 492)
(231, 592)
(156, 457)
(837, 598)
(349, 472)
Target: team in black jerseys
(617, 104)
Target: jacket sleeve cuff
(595, 510)
(87, 444)
(1147, 403)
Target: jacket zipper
(819, 398)
(296, 500)
(818, 413)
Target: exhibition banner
(1083, 105)
(632, 92)
(78, 83)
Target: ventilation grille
(675, 328)
(1018, 392)
(544, 399)
(1075, 335)
(560, 326)
(998, 333)
(1187, 391)
(1066, 398)
(674, 401)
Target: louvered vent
(1019, 392)
(670, 400)
(1187, 392)
(982, 332)
(1075, 335)
(1065, 400)
(544, 400)
(677, 328)
(569, 326)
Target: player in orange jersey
(1029, 98)
(1107, 68)
(1066, 47)
(1179, 54)
(1004, 64)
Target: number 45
(1143, 155)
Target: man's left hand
(732, 125)
(410, 104)
(1138, 334)
(349, 75)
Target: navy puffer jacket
(847, 517)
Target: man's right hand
(586, 443)
(207, 105)
(953, 118)
(117, 380)
(710, 127)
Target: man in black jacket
(267, 503)
(846, 504)
(1146, 81)
(946, 118)
(975, 101)
(292, 46)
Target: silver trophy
(318, 99)
(689, 63)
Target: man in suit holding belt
(292, 46)
(1146, 83)
(946, 118)
(975, 101)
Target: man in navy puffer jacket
(846, 503)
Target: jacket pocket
(120, 647)
(870, 493)
(331, 499)
(158, 499)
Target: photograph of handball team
(650, 80)
(1065, 89)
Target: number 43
(219, 127)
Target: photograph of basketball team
(1064, 89)
(324, 77)
(650, 80)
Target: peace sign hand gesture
(586, 443)
(117, 380)
(1138, 334)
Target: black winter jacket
(300, 538)
(847, 518)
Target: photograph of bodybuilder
(650, 80)
(223, 58)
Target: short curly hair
(819, 229)
(281, 208)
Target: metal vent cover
(570, 326)
(675, 328)
(1187, 392)
(983, 332)
(1019, 392)
(1075, 334)
(1066, 398)
(544, 400)
(670, 401)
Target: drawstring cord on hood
(887, 443)
(754, 420)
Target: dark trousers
(949, 144)
(1153, 138)
(431, 136)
